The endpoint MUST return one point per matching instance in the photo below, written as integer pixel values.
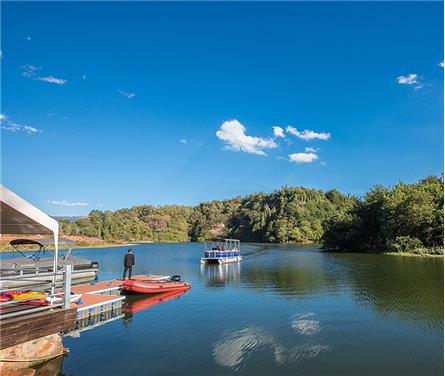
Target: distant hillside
(290, 214)
(404, 217)
(66, 218)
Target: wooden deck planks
(97, 287)
(110, 284)
(17, 330)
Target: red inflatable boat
(154, 287)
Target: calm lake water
(283, 310)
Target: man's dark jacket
(129, 260)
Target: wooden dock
(97, 300)
(101, 297)
(21, 329)
(112, 286)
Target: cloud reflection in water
(236, 346)
(304, 324)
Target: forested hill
(286, 215)
(406, 218)
(403, 217)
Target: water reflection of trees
(288, 280)
(410, 288)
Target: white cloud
(308, 135)
(28, 38)
(183, 141)
(441, 64)
(84, 77)
(52, 80)
(302, 157)
(29, 71)
(278, 132)
(233, 133)
(126, 94)
(15, 127)
(323, 163)
(410, 79)
(12, 126)
(310, 150)
(66, 203)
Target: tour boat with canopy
(221, 251)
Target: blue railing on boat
(220, 254)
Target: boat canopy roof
(26, 242)
(222, 240)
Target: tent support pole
(55, 263)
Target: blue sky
(112, 105)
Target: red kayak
(154, 287)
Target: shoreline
(410, 254)
(86, 242)
(384, 253)
(74, 247)
(65, 242)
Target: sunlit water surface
(284, 310)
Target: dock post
(67, 269)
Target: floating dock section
(101, 301)
(111, 287)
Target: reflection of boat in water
(221, 275)
(40, 269)
(221, 251)
(135, 304)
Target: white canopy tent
(18, 216)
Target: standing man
(128, 264)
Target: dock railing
(55, 287)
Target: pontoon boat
(221, 251)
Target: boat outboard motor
(175, 278)
(94, 265)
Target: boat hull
(150, 287)
(220, 260)
(26, 279)
(21, 272)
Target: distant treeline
(384, 219)
(406, 218)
